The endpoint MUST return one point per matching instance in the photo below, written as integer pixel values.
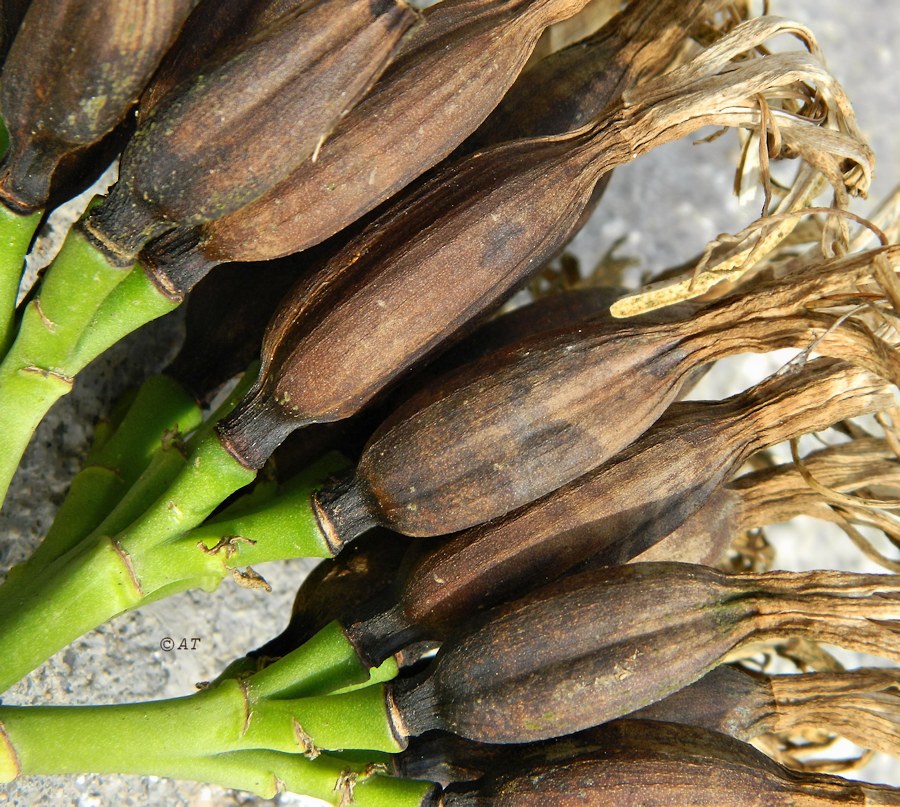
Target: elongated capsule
(595, 646)
(211, 34)
(637, 763)
(524, 421)
(74, 70)
(616, 511)
(774, 495)
(220, 142)
(570, 87)
(449, 75)
(862, 705)
(452, 249)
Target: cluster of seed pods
(529, 537)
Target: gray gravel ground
(665, 207)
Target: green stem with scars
(256, 714)
(37, 371)
(72, 746)
(160, 411)
(102, 576)
(16, 232)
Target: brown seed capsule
(220, 142)
(598, 645)
(619, 509)
(73, 72)
(447, 78)
(336, 588)
(773, 495)
(212, 33)
(637, 763)
(862, 705)
(453, 248)
(570, 87)
(522, 422)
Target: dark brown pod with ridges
(638, 763)
(862, 705)
(596, 646)
(522, 422)
(221, 141)
(570, 87)
(457, 246)
(619, 509)
(774, 495)
(74, 70)
(212, 33)
(449, 75)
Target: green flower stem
(133, 303)
(265, 773)
(102, 576)
(16, 232)
(74, 285)
(167, 464)
(160, 411)
(26, 395)
(227, 718)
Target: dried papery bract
(615, 512)
(462, 242)
(598, 645)
(524, 421)
(648, 764)
(448, 77)
(220, 142)
(74, 71)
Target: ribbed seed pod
(636, 763)
(617, 510)
(596, 646)
(569, 88)
(522, 422)
(212, 33)
(73, 72)
(221, 141)
(774, 495)
(450, 250)
(447, 78)
(862, 705)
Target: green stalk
(227, 718)
(102, 576)
(160, 411)
(16, 232)
(133, 303)
(66, 740)
(36, 371)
